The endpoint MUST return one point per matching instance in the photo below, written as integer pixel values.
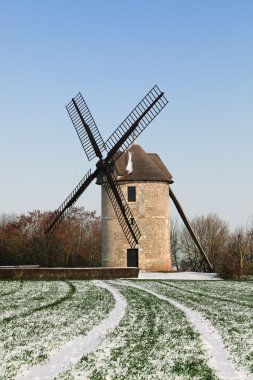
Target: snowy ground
(218, 356)
(37, 318)
(177, 276)
(129, 329)
(74, 350)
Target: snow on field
(218, 357)
(153, 340)
(43, 316)
(176, 276)
(231, 291)
(28, 294)
(227, 305)
(74, 350)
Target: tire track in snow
(219, 359)
(13, 291)
(72, 352)
(220, 298)
(57, 302)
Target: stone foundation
(17, 273)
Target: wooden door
(132, 257)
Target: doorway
(132, 258)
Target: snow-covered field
(135, 329)
(176, 276)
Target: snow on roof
(137, 165)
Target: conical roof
(137, 165)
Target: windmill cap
(137, 165)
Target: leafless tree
(213, 235)
(76, 241)
(174, 242)
(7, 219)
(238, 260)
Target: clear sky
(199, 52)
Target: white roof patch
(129, 167)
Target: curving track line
(219, 359)
(13, 291)
(225, 299)
(72, 352)
(70, 294)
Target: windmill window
(131, 194)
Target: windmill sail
(93, 145)
(81, 118)
(69, 202)
(134, 124)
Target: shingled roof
(137, 165)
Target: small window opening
(131, 194)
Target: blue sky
(200, 53)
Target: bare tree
(250, 238)
(7, 219)
(76, 241)
(80, 234)
(174, 242)
(213, 235)
(250, 242)
(239, 255)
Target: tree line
(231, 253)
(77, 242)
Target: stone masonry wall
(151, 212)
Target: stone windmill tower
(144, 181)
(135, 223)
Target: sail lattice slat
(79, 119)
(148, 108)
(69, 202)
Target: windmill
(120, 140)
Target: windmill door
(132, 257)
